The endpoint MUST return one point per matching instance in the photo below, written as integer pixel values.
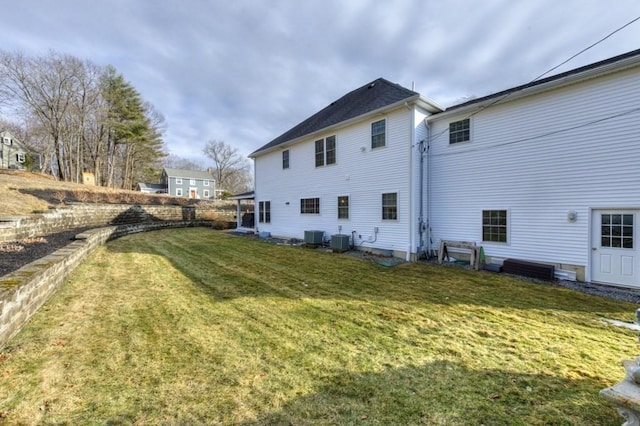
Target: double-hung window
(494, 226)
(20, 158)
(285, 159)
(343, 207)
(378, 134)
(178, 181)
(326, 151)
(310, 205)
(390, 206)
(265, 212)
(459, 131)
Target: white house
(547, 172)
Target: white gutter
(430, 106)
(588, 74)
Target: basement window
(459, 131)
(494, 226)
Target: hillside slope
(25, 194)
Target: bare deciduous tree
(82, 117)
(232, 172)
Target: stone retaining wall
(24, 291)
(98, 215)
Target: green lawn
(193, 326)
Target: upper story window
(205, 183)
(178, 181)
(459, 131)
(390, 206)
(494, 226)
(285, 159)
(6, 141)
(310, 205)
(192, 181)
(326, 151)
(378, 134)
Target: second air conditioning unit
(340, 242)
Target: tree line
(79, 116)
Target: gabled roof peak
(375, 95)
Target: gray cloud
(244, 71)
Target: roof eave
(554, 83)
(416, 99)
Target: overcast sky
(246, 71)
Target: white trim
(178, 181)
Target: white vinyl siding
(550, 162)
(362, 173)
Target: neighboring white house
(547, 172)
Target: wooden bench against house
(525, 268)
(474, 251)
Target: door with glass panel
(614, 247)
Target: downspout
(412, 234)
(421, 247)
(424, 222)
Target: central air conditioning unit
(313, 237)
(340, 242)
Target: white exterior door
(614, 247)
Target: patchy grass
(195, 326)
(25, 194)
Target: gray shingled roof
(191, 174)
(542, 81)
(370, 97)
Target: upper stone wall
(98, 215)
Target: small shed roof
(243, 196)
(151, 186)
